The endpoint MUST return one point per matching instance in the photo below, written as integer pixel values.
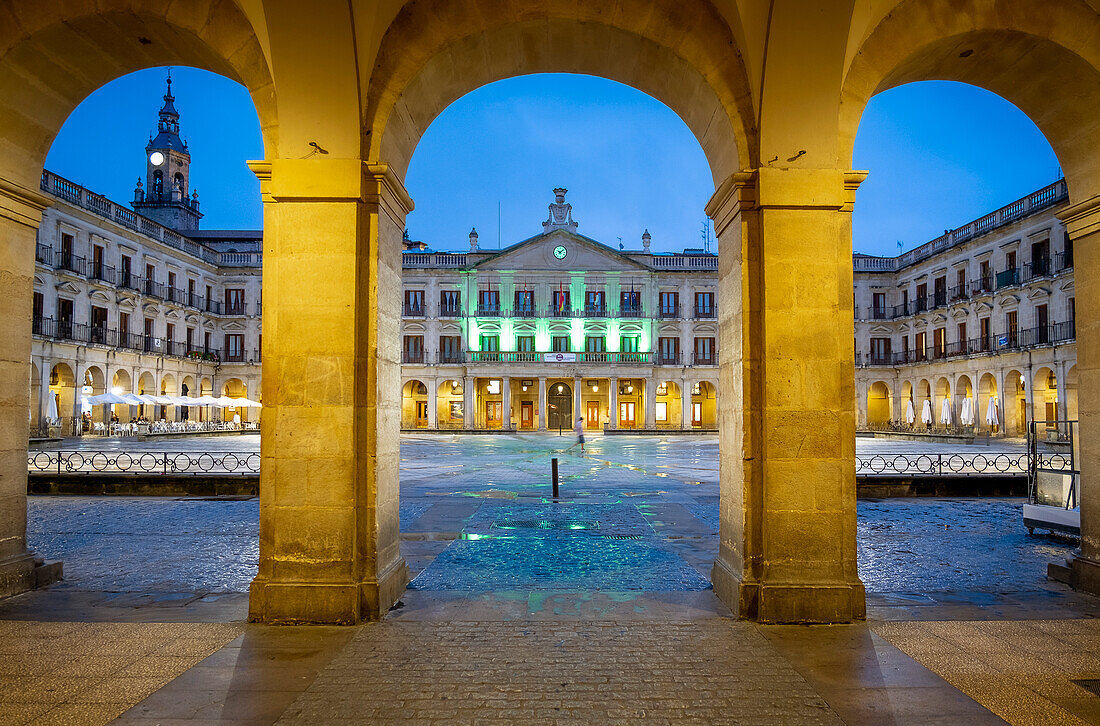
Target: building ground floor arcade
(548, 399)
(67, 373)
(1030, 385)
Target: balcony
(631, 311)
(981, 286)
(412, 356)
(504, 356)
(524, 311)
(176, 295)
(958, 293)
(706, 313)
(153, 288)
(102, 273)
(705, 359)
(668, 359)
(488, 311)
(43, 253)
(939, 299)
(69, 262)
(1038, 269)
(1064, 261)
(450, 357)
(412, 311)
(1007, 278)
(880, 313)
(555, 312)
(668, 312)
(595, 311)
(236, 308)
(450, 311)
(1052, 334)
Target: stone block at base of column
(26, 572)
(1084, 575)
(318, 603)
(776, 603)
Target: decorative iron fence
(143, 462)
(958, 464)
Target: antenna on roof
(704, 233)
(900, 245)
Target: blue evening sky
(940, 154)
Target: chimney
(473, 240)
(645, 241)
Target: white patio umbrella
(926, 412)
(108, 399)
(165, 400)
(991, 416)
(227, 402)
(51, 407)
(187, 401)
(248, 403)
(945, 412)
(207, 401)
(910, 415)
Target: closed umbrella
(945, 412)
(910, 415)
(926, 412)
(991, 416)
(51, 407)
(964, 415)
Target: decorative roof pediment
(99, 296)
(959, 314)
(150, 309)
(940, 318)
(1066, 286)
(408, 327)
(882, 330)
(172, 315)
(1038, 292)
(982, 307)
(68, 288)
(1009, 300)
(127, 303)
(542, 251)
(192, 319)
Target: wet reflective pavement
(636, 514)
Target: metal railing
(1052, 334)
(938, 465)
(667, 312)
(706, 313)
(115, 462)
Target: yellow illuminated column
(542, 403)
(469, 402)
(685, 404)
(506, 403)
(787, 453)
(1082, 222)
(612, 403)
(20, 215)
(433, 403)
(331, 381)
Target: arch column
(787, 438)
(1082, 222)
(542, 403)
(685, 404)
(20, 214)
(469, 398)
(506, 403)
(433, 404)
(330, 435)
(613, 402)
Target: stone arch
(234, 388)
(1070, 393)
(880, 404)
(414, 404)
(431, 55)
(64, 391)
(213, 36)
(943, 394)
(449, 404)
(1008, 48)
(147, 384)
(167, 385)
(1015, 411)
(988, 390)
(1045, 391)
(704, 405)
(670, 395)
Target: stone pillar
(787, 548)
(1082, 222)
(648, 405)
(469, 402)
(331, 382)
(685, 404)
(433, 403)
(20, 215)
(613, 403)
(577, 402)
(506, 402)
(542, 403)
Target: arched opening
(94, 417)
(966, 414)
(1016, 408)
(879, 404)
(989, 405)
(669, 406)
(943, 407)
(62, 401)
(926, 407)
(235, 388)
(187, 388)
(1044, 398)
(704, 405)
(414, 405)
(559, 408)
(168, 412)
(450, 412)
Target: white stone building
(985, 311)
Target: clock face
(560, 252)
(156, 158)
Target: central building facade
(559, 327)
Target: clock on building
(156, 158)
(560, 252)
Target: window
(209, 298)
(488, 301)
(560, 344)
(669, 350)
(124, 271)
(38, 301)
(150, 279)
(1010, 260)
(412, 349)
(939, 342)
(234, 301)
(171, 283)
(1042, 333)
(124, 325)
(158, 184)
(525, 343)
(984, 333)
(940, 287)
(150, 345)
(905, 301)
(960, 284)
(234, 347)
(629, 343)
(450, 349)
(414, 302)
(191, 294)
(594, 344)
(525, 301)
(670, 304)
(880, 351)
(99, 324)
(450, 302)
(704, 351)
(189, 338)
(922, 297)
(919, 348)
(1011, 331)
(594, 302)
(878, 306)
(206, 341)
(559, 301)
(704, 305)
(97, 262)
(963, 346)
(66, 251)
(490, 343)
(630, 302)
(985, 277)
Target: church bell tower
(164, 197)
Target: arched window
(178, 179)
(158, 183)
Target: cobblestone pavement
(704, 672)
(1031, 672)
(90, 673)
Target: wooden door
(526, 414)
(696, 415)
(422, 414)
(626, 415)
(493, 412)
(593, 420)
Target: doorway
(494, 410)
(560, 408)
(422, 414)
(526, 414)
(626, 415)
(592, 421)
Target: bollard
(554, 476)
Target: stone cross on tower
(561, 214)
